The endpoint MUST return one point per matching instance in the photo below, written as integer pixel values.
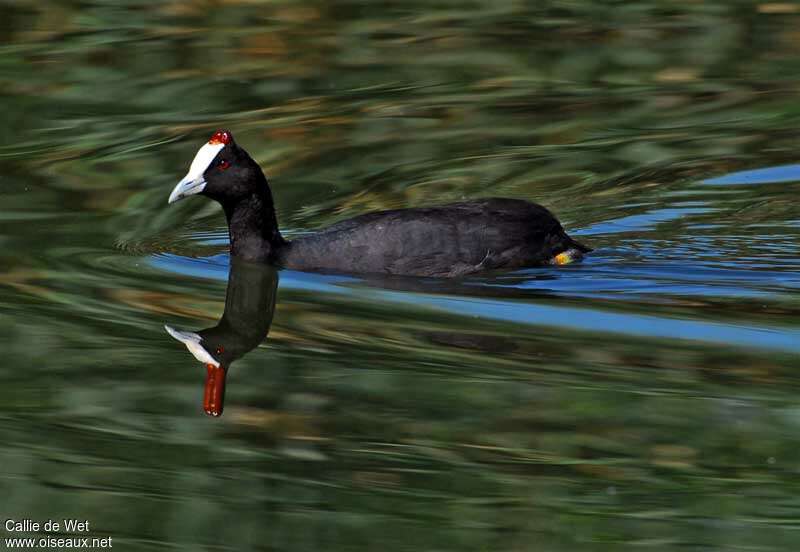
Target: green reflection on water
(361, 422)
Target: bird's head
(221, 170)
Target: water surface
(644, 397)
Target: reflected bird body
(249, 306)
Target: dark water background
(647, 398)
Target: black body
(449, 240)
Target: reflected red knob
(214, 394)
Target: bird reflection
(249, 306)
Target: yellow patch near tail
(563, 258)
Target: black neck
(253, 227)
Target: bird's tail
(573, 251)
(572, 244)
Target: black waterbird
(444, 241)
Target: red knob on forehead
(220, 137)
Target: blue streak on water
(216, 268)
(782, 173)
(640, 222)
(629, 324)
(535, 314)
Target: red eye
(223, 165)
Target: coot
(444, 241)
